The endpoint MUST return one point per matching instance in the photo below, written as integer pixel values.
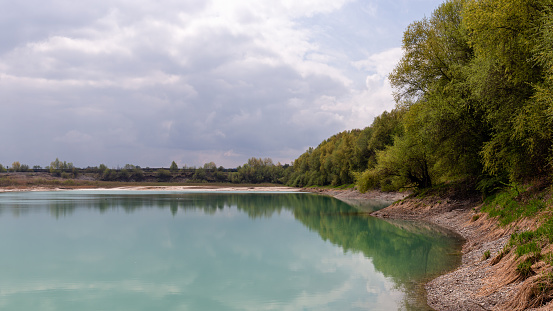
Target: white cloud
(381, 63)
(73, 137)
(152, 81)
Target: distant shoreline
(33, 181)
(206, 188)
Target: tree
(505, 77)
(434, 75)
(258, 170)
(101, 168)
(174, 167)
(211, 166)
(16, 166)
(129, 167)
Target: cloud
(154, 81)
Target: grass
(511, 204)
(517, 202)
(524, 268)
(486, 255)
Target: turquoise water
(94, 250)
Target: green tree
(109, 175)
(504, 78)
(102, 168)
(258, 170)
(174, 167)
(434, 76)
(211, 166)
(129, 167)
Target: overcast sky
(149, 82)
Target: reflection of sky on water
(193, 259)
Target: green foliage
(124, 175)
(528, 248)
(489, 185)
(486, 255)
(505, 74)
(136, 174)
(475, 84)
(199, 174)
(102, 168)
(405, 164)
(109, 175)
(512, 203)
(341, 159)
(163, 175)
(57, 167)
(524, 268)
(259, 170)
(211, 166)
(174, 167)
(2, 169)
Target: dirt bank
(481, 282)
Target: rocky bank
(481, 282)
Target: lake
(146, 250)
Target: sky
(149, 82)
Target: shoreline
(206, 188)
(480, 282)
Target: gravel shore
(481, 282)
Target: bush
(163, 175)
(124, 175)
(109, 175)
(137, 174)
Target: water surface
(94, 250)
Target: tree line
(255, 171)
(474, 101)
